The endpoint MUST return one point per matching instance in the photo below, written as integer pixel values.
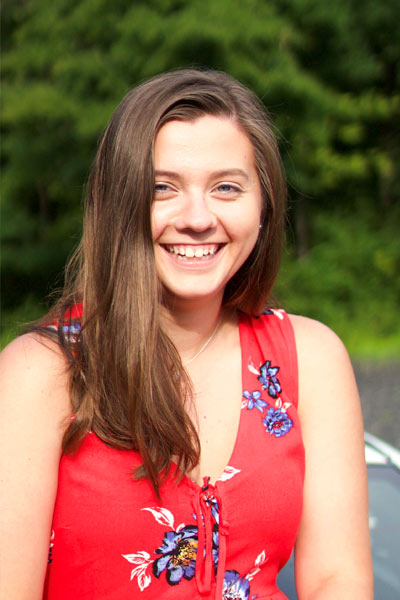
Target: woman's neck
(192, 327)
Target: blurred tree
(328, 72)
(346, 150)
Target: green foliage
(327, 71)
(14, 321)
(349, 280)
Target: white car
(383, 462)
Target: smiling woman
(170, 432)
(207, 206)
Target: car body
(383, 463)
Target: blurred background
(328, 72)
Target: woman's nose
(195, 213)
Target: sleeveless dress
(113, 540)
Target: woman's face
(207, 206)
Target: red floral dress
(112, 539)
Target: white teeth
(193, 251)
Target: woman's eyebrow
(221, 173)
(228, 172)
(171, 174)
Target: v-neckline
(191, 482)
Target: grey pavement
(379, 387)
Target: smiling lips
(205, 251)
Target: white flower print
(162, 516)
(260, 560)
(142, 560)
(228, 473)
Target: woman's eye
(228, 188)
(161, 187)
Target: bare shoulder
(33, 350)
(313, 336)
(34, 396)
(34, 379)
(326, 377)
(322, 356)
(29, 347)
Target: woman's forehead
(211, 142)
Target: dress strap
(273, 334)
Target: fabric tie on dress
(212, 532)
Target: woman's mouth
(201, 252)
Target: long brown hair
(127, 382)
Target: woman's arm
(34, 410)
(332, 557)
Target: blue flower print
(254, 400)
(178, 555)
(278, 312)
(71, 332)
(277, 422)
(213, 504)
(268, 379)
(235, 587)
(215, 547)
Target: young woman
(165, 434)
